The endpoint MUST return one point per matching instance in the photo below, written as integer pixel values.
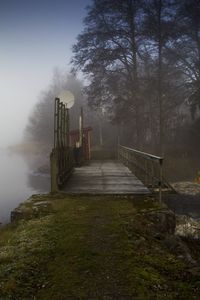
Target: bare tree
(108, 52)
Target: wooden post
(160, 180)
(54, 171)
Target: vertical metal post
(160, 180)
(89, 146)
(63, 125)
(58, 122)
(56, 111)
(54, 124)
(54, 154)
(67, 127)
(60, 159)
(152, 174)
(64, 128)
(118, 145)
(146, 172)
(81, 128)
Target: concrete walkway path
(104, 177)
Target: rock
(176, 245)
(186, 252)
(161, 222)
(29, 209)
(188, 227)
(16, 215)
(187, 187)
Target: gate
(61, 158)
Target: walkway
(104, 177)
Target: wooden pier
(104, 177)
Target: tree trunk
(160, 102)
(134, 79)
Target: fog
(36, 37)
(17, 183)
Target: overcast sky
(35, 37)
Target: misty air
(100, 143)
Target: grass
(90, 248)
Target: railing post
(61, 161)
(160, 179)
(146, 173)
(147, 167)
(54, 171)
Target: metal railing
(61, 157)
(146, 167)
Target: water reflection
(183, 204)
(39, 182)
(17, 183)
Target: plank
(104, 177)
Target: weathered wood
(104, 177)
(54, 171)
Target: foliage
(189, 43)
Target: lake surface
(17, 183)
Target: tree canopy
(142, 62)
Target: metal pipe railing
(147, 167)
(61, 157)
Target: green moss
(90, 248)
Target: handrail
(147, 167)
(144, 154)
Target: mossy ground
(90, 248)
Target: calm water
(17, 183)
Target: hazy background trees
(39, 131)
(142, 62)
(40, 128)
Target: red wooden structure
(74, 140)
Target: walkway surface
(104, 177)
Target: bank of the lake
(66, 247)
